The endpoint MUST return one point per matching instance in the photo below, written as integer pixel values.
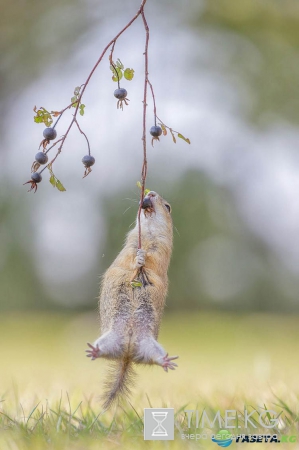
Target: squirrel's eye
(168, 207)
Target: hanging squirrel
(132, 300)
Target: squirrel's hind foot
(93, 352)
(167, 362)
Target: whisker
(177, 231)
(132, 199)
(129, 207)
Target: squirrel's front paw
(93, 353)
(140, 258)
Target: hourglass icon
(159, 417)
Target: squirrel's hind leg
(149, 351)
(109, 345)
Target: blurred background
(225, 75)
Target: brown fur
(130, 316)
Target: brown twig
(146, 83)
(112, 42)
(112, 63)
(144, 165)
(169, 128)
(154, 100)
(82, 132)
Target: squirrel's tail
(121, 375)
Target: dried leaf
(173, 136)
(164, 131)
(35, 166)
(55, 113)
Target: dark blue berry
(50, 133)
(88, 160)
(156, 131)
(41, 158)
(36, 177)
(120, 93)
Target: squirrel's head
(156, 209)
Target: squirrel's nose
(146, 203)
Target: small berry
(88, 160)
(41, 158)
(36, 177)
(120, 93)
(50, 133)
(156, 131)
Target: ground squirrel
(131, 311)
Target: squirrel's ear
(167, 205)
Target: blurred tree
(31, 31)
(256, 44)
(20, 287)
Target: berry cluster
(119, 71)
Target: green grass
(49, 391)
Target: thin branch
(82, 132)
(112, 63)
(116, 73)
(144, 166)
(154, 100)
(112, 42)
(174, 131)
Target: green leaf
(52, 180)
(60, 186)
(73, 99)
(48, 120)
(38, 119)
(82, 110)
(129, 74)
(77, 90)
(119, 64)
(146, 191)
(119, 72)
(136, 283)
(42, 116)
(185, 139)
